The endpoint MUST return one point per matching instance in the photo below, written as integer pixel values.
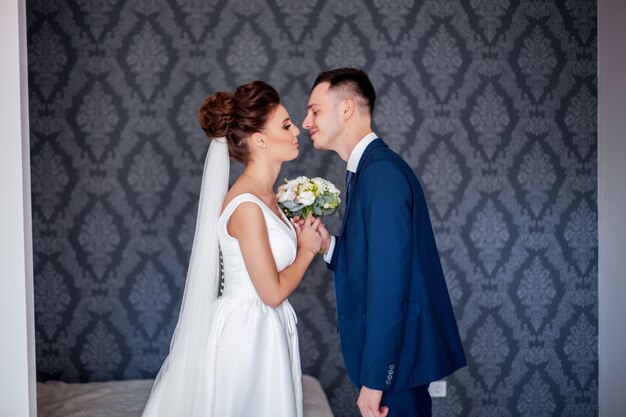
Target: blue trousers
(414, 402)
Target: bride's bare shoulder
(245, 215)
(235, 191)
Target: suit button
(390, 372)
(388, 382)
(391, 366)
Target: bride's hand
(308, 234)
(324, 234)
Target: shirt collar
(357, 152)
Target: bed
(127, 398)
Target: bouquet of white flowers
(301, 196)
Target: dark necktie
(349, 183)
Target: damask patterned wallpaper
(492, 102)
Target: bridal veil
(179, 389)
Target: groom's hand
(369, 403)
(325, 237)
(298, 223)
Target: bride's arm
(247, 225)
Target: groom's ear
(347, 108)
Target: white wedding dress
(257, 362)
(250, 362)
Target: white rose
(307, 198)
(291, 185)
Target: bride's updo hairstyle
(237, 116)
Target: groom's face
(322, 117)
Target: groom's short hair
(350, 82)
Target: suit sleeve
(388, 223)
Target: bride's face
(282, 135)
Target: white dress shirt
(353, 164)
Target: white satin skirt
(250, 366)
(257, 362)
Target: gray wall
(494, 106)
(612, 205)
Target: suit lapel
(376, 143)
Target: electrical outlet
(437, 389)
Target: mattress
(127, 398)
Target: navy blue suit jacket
(396, 321)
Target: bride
(237, 355)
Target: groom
(398, 331)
